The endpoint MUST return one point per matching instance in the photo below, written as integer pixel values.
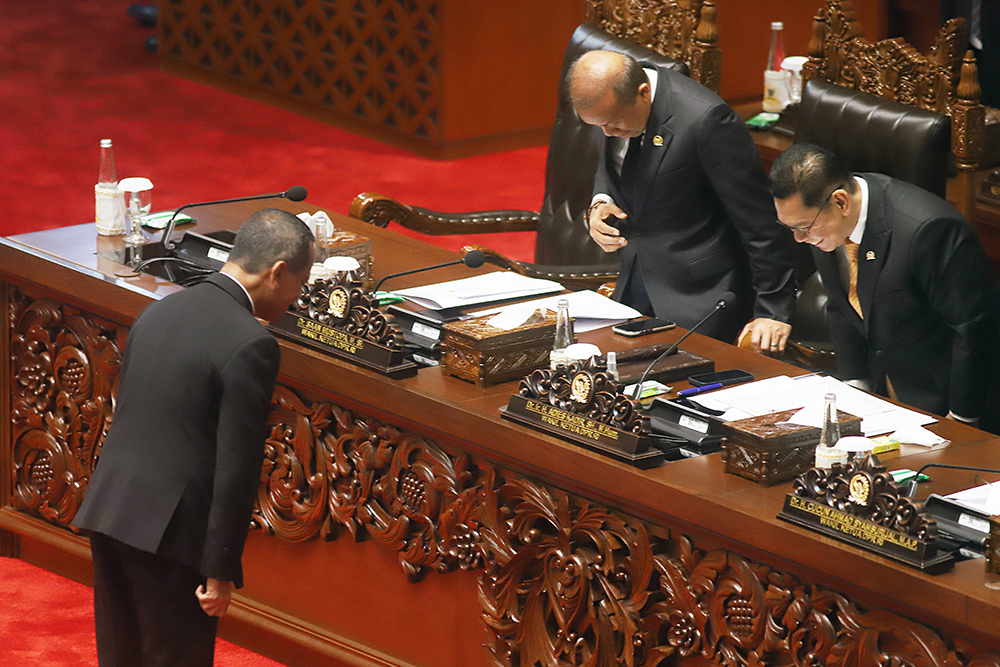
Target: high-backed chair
(940, 81)
(564, 250)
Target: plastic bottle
(109, 204)
(826, 451)
(776, 80)
(564, 335)
(613, 365)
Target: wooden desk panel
(425, 472)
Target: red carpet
(48, 621)
(73, 72)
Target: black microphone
(294, 193)
(911, 486)
(725, 301)
(473, 259)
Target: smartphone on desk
(642, 327)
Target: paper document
(588, 309)
(985, 498)
(807, 392)
(484, 288)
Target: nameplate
(336, 342)
(636, 450)
(862, 490)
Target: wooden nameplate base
(860, 504)
(581, 403)
(341, 318)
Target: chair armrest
(380, 210)
(570, 277)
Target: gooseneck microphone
(294, 193)
(725, 301)
(473, 259)
(911, 486)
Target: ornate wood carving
(62, 397)
(377, 61)
(563, 580)
(344, 302)
(685, 30)
(940, 81)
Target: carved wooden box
(768, 452)
(476, 351)
(343, 243)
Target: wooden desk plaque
(767, 451)
(993, 546)
(582, 403)
(340, 317)
(859, 503)
(476, 351)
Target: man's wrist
(594, 203)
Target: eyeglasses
(805, 230)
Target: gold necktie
(851, 248)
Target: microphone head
(474, 259)
(295, 193)
(727, 299)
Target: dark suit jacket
(930, 302)
(180, 466)
(701, 219)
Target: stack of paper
(485, 288)
(589, 310)
(807, 392)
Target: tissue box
(766, 451)
(476, 351)
(343, 243)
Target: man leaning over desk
(914, 305)
(681, 192)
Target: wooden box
(476, 351)
(343, 243)
(768, 452)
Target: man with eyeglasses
(914, 304)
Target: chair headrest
(870, 133)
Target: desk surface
(692, 498)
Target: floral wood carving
(62, 397)
(564, 580)
(684, 30)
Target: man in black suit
(914, 305)
(681, 192)
(168, 507)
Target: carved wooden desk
(404, 523)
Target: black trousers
(146, 611)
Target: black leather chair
(868, 133)
(564, 250)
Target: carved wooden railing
(563, 580)
(681, 29)
(941, 81)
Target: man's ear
(277, 271)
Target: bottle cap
(777, 25)
(105, 143)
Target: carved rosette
(62, 399)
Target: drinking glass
(138, 203)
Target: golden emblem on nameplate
(860, 489)
(340, 302)
(582, 388)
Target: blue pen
(698, 390)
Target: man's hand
(604, 234)
(766, 335)
(214, 596)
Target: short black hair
(625, 84)
(810, 171)
(272, 235)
